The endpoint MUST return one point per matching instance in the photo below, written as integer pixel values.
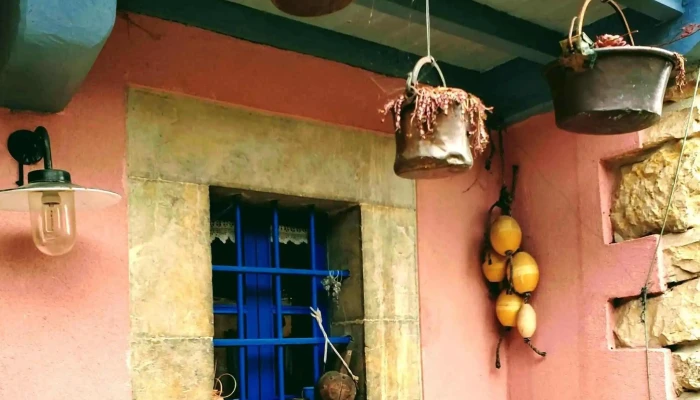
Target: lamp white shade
(86, 199)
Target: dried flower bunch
(431, 101)
(689, 29)
(332, 285)
(603, 41)
(680, 67)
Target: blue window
(275, 349)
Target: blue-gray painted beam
(668, 31)
(515, 86)
(478, 23)
(661, 10)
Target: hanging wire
(411, 82)
(427, 25)
(647, 283)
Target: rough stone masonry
(638, 209)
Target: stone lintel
(184, 139)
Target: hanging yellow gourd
(526, 274)
(494, 267)
(507, 307)
(527, 324)
(527, 321)
(505, 235)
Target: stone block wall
(170, 290)
(638, 209)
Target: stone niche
(178, 148)
(638, 208)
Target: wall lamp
(49, 195)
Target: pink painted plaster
(64, 320)
(458, 321)
(562, 203)
(65, 325)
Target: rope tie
(528, 341)
(509, 267)
(506, 196)
(498, 347)
(217, 393)
(316, 315)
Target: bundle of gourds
(517, 273)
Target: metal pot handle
(412, 81)
(582, 14)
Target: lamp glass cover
(52, 215)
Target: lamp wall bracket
(28, 148)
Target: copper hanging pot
(441, 153)
(310, 8)
(610, 90)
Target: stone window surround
(179, 146)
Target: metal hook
(412, 81)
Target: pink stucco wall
(64, 327)
(562, 203)
(64, 321)
(458, 324)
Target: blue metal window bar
(259, 305)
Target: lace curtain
(225, 231)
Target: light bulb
(52, 216)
